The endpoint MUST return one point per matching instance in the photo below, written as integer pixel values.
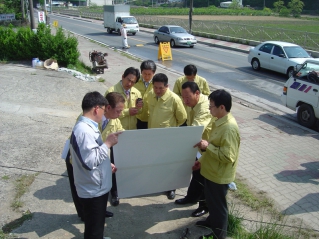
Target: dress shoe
(115, 200)
(171, 194)
(200, 212)
(203, 224)
(184, 200)
(108, 214)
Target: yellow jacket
(219, 161)
(200, 81)
(128, 122)
(144, 91)
(113, 126)
(167, 111)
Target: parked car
(176, 35)
(301, 92)
(277, 56)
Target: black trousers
(217, 207)
(114, 185)
(195, 191)
(141, 124)
(75, 197)
(94, 216)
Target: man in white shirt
(124, 36)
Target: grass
(21, 186)
(6, 229)
(5, 177)
(81, 67)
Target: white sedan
(277, 56)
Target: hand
(139, 104)
(114, 169)
(133, 111)
(196, 166)
(203, 144)
(112, 139)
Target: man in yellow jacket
(197, 108)
(218, 163)
(190, 74)
(134, 103)
(165, 109)
(111, 124)
(145, 85)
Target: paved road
(37, 112)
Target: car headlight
(178, 38)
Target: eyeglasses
(101, 108)
(130, 81)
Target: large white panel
(155, 160)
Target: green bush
(24, 44)
(284, 12)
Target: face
(189, 98)
(190, 77)
(147, 75)
(114, 113)
(99, 110)
(214, 110)
(128, 81)
(159, 88)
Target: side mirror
(282, 55)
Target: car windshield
(177, 30)
(296, 52)
(129, 20)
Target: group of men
(145, 102)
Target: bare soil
(234, 18)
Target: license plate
(188, 42)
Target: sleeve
(227, 150)
(203, 116)
(176, 88)
(91, 153)
(206, 90)
(180, 112)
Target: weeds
(15, 224)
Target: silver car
(176, 35)
(277, 56)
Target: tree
(296, 7)
(278, 6)
(234, 4)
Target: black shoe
(115, 200)
(200, 212)
(203, 224)
(184, 200)
(171, 194)
(108, 214)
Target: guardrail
(234, 32)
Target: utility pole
(264, 4)
(32, 24)
(22, 10)
(190, 16)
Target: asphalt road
(220, 67)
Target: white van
(301, 92)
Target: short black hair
(133, 71)
(93, 99)
(148, 65)
(114, 98)
(191, 85)
(190, 70)
(160, 77)
(221, 97)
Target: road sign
(41, 17)
(55, 23)
(164, 51)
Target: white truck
(301, 93)
(116, 15)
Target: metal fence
(221, 30)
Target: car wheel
(156, 40)
(172, 44)
(108, 30)
(191, 46)
(119, 32)
(255, 64)
(306, 116)
(134, 33)
(290, 72)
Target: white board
(155, 160)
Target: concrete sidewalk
(278, 158)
